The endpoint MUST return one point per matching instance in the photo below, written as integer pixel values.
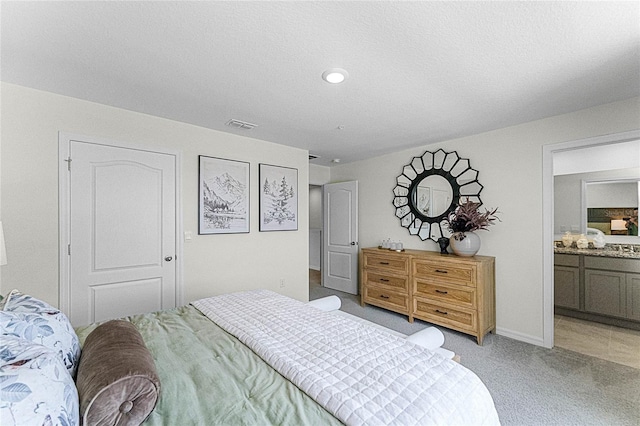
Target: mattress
(360, 374)
(211, 377)
(208, 377)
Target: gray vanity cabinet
(566, 277)
(596, 288)
(612, 286)
(633, 296)
(605, 292)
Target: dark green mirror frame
(431, 187)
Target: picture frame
(223, 196)
(278, 198)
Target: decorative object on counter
(397, 246)
(430, 188)
(444, 243)
(582, 242)
(463, 221)
(465, 244)
(598, 241)
(567, 239)
(391, 245)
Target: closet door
(122, 232)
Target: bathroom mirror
(429, 188)
(611, 207)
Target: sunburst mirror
(429, 188)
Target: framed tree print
(223, 196)
(278, 198)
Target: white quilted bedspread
(360, 374)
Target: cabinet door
(605, 292)
(633, 296)
(566, 287)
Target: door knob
(353, 243)
(168, 258)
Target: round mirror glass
(432, 196)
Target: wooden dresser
(448, 290)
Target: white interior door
(441, 201)
(340, 263)
(122, 232)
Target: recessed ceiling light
(335, 75)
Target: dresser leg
(411, 318)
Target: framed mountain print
(223, 196)
(278, 198)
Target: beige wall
(319, 175)
(213, 264)
(509, 162)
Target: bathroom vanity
(600, 285)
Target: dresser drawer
(386, 299)
(387, 262)
(391, 282)
(454, 295)
(445, 315)
(441, 272)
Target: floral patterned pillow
(18, 302)
(36, 387)
(31, 319)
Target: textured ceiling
(419, 72)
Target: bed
(239, 359)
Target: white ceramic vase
(464, 244)
(582, 242)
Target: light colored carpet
(530, 385)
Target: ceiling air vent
(239, 124)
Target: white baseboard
(314, 267)
(527, 338)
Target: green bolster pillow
(117, 379)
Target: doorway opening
(315, 235)
(562, 330)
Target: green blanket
(209, 378)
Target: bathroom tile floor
(615, 344)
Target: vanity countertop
(627, 251)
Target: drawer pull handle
(384, 280)
(382, 296)
(442, 292)
(442, 312)
(440, 271)
(384, 263)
